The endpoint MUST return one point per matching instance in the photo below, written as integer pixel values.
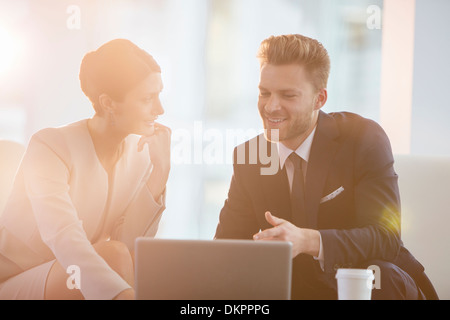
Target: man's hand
(303, 240)
(159, 151)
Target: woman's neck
(107, 140)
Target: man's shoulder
(346, 117)
(362, 134)
(350, 123)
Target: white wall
(415, 113)
(430, 129)
(430, 102)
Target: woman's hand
(159, 151)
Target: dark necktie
(298, 192)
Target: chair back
(424, 183)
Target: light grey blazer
(62, 203)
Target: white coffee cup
(354, 284)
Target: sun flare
(10, 49)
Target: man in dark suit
(333, 193)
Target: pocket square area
(332, 195)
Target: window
(207, 52)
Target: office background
(206, 49)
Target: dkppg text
(235, 309)
(246, 309)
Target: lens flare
(10, 49)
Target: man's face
(288, 102)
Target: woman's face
(140, 107)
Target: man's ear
(106, 103)
(321, 98)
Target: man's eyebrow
(290, 90)
(282, 91)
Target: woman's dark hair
(114, 69)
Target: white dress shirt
(303, 152)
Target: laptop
(171, 269)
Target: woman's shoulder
(57, 134)
(68, 128)
(60, 140)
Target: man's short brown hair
(297, 49)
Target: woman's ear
(106, 104)
(108, 108)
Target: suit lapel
(322, 154)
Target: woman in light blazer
(85, 191)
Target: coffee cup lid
(355, 273)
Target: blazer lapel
(322, 154)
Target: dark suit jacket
(361, 223)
